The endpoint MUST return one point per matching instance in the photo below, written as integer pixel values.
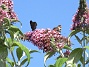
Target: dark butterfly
(33, 25)
(58, 28)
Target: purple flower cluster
(42, 38)
(8, 12)
(81, 18)
(67, 53)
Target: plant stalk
(13, 58)
(83, 47)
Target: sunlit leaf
(24, 49)
(11, 34)
(7, 65)
(14, 21)
(87, 47)
(75, 56)
(67, 47)
(60, 62)
(48, 55)
(19, 53)
(73, 32)
(8, 42)
(15, 29)
(10, 62)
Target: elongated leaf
(75, 56)
(7, 65)
(87, 47)
(73, 32)
(11, 34)
(67, 47)
(14, 21)
(19, 53)
(51, 66)
(24, 49)
(60, 62)
(32, 51)
(78, 39)
(23, 62)
(48, 55)
(85, 38)
(15, 29)
(10, 62)
(7, 21)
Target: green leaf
(82, 59)
(87, 47)
(48, 55)
(2, 63)
(78, 39)
(14, 20)
(8, 42)
(60, 62)
(32, 51)
(67, 47)
(23, 62)
(15, 29)
(7, 21)
(24, 49)
(75, 56)
(10, 62)
(51, 66)
(11, 34)
(87, 61)
(73, 33)
(3, 51)
(79, 65)
(16, 35)
(87, 31)
(3, 6)
(7, 65)
(19, 53)
(3, 55)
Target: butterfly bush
(6, 10)
(42, 38)
(81, 18)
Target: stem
(61, 53)
(84, 44)
(13, 58)
(83, 47)
(82, 7)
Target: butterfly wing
(58, 28)
(33, 25)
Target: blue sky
(47, 14)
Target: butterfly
(58, 28)
(33, 25)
